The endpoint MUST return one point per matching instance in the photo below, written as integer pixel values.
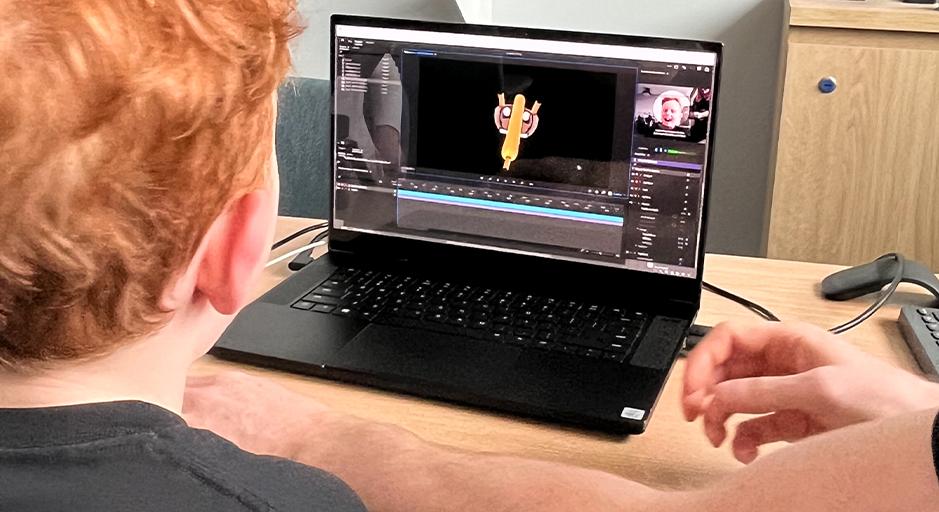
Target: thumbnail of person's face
(671, 114)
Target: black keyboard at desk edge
(542, 323)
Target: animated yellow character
(516, 122)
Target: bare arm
(875, 465)
(872, 466)
(881, 465)
(393, 470)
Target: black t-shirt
(134, 456)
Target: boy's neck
(151, 369)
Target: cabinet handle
(827, 85)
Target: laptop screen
(578, 151)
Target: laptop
(517, 221)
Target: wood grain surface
(857, 169)
(865, 15)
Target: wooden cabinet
(857, 171)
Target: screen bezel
(571, 274)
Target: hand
(254, 413)
(804, 379)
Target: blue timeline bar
(510, 207)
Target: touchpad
(423, 355)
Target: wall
(746, 127)
(476, 11)
(311, 49)
(303, 136)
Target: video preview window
(670, 112)
(558, 123)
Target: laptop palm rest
(424, 356)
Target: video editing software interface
(575, 151)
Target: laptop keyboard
(537, 322)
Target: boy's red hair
(126, 126)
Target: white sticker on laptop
(632, 414)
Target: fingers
(757, 395)
(705, 365)
(781, 426)
(734, 350)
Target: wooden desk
(673, 453)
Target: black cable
(304, 258)
(884, 296)
(752, 306)
(320, 237)
(298, 234)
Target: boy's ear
(237, 246)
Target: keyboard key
(619, 348)
(321, 299)
(520, 341)
(498, 336)
(343, 312)
(459, 321)
(543, 345)
(625, 341)
(546, 335)
(303, 304)
(619, 358)
(330, 291)
(323, 308)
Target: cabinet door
(857, 168)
